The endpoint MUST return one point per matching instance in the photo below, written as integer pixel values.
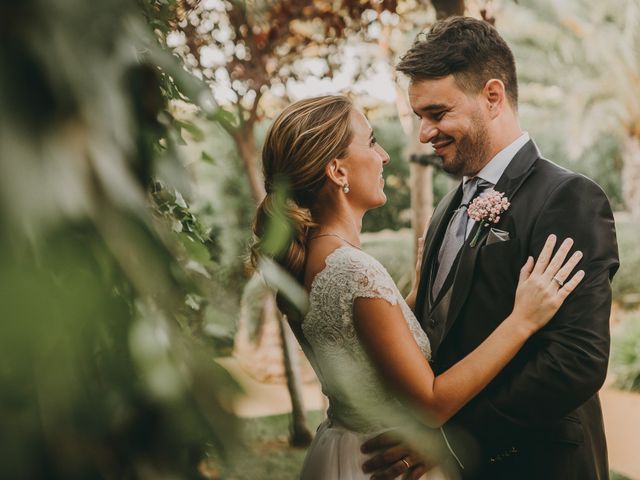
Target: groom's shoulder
(555, 175)
(553, 172)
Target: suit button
(432, 322)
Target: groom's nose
(427, 131)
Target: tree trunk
(631, 176)
(245, 140)
(448, 8)
(300, 434)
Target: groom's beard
(472, 151)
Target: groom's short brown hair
(469, 49)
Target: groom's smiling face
(454, 122)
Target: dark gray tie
(456, 232)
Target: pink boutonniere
(487, 209)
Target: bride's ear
(336, 172)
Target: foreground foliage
(101, 374)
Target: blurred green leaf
(279, 230)
(196, 133)
(282, 282)
(207, 158)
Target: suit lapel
(439, 223)
(436, 230)
(518, 170)
(510, 182)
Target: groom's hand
(392, 458)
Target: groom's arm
(564, 364)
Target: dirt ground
(621, 413)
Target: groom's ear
(336, 172)
(495, 96)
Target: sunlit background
(133, 343)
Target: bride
(361, 337)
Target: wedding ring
(404, 460)
(559, 282)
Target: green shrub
(394, 249)
(625, 357)
(626, 283)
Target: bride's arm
(395, 353)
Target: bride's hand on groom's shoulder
(391, 458)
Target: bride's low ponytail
(291, 255)
(300, 143)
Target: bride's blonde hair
(300, 143)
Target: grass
(265, 452)
(617, 476)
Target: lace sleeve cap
(369, 279)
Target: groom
(541, 417)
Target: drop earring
(345, 188)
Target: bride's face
(365, 161)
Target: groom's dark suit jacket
(540, 418)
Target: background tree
(246, 50)
(588, 70)
(605, 42)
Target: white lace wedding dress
(360, 406)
